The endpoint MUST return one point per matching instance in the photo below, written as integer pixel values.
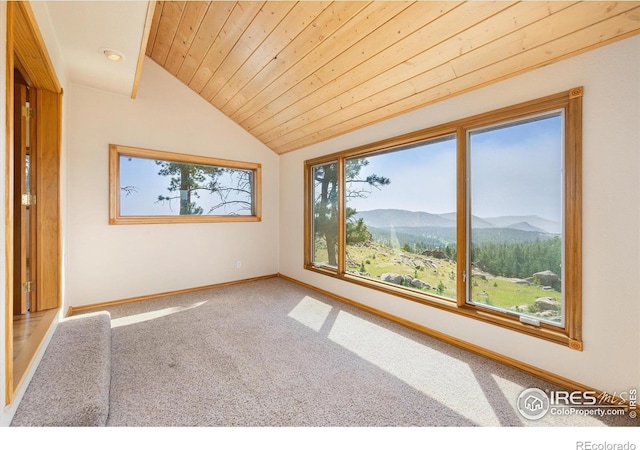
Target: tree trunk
(329, 208)
(185, 193)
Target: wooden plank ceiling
(296, 73)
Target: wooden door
(25, 220)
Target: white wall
(110, 262)
(611, 78)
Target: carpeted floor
(71, 385)
(272, 353)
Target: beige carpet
(71, 384)
(271, 353)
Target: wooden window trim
(115, 151)
(570, 102)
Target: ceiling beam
(143, 47)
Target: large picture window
(149, 186)
(401, 219)
(515, 201)
(480, 217)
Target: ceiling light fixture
(113, 55)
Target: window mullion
(461, 218)
(573, 218)
(341, 215)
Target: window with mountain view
(401, 216)
(515, 194)
(480, 217)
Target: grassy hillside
(440, 275)
(378, 259)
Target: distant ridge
(548, 226)
(383, 218)
(386, 218)
(525, 226)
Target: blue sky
(143, 201)
(422, 179)
(515, 170)
(518, 170)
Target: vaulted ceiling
(296, 73)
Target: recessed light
(113, 55)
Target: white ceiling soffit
(84, 29)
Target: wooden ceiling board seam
(376, 71)
(313, 71)
(407, 88)
(215, 18)
(324, 52)
(224, 43)
(189, 24)
(424, 62)
(291, 27)
(288, 56)
(157, 13)
(602, 33)
(330, 48)
(390, 33)
(619, 29)
(273, 66)
(170, 18)
(263, 24)
(556, 26)
(403, 26)
(418, 83)
(340, 62)
(260, 79)
(290, 59)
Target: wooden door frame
(26, 48)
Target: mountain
(548, 226)
(384, 218)
(399, 218)
(525, 226)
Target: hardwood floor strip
(28, 345)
